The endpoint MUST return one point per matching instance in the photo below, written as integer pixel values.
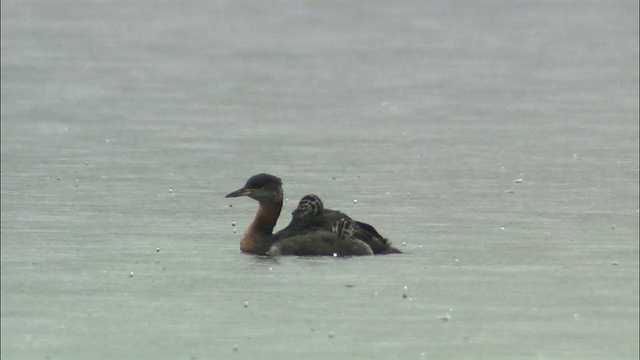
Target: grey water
(495, 143)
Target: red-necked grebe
(259, 238)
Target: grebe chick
(309, 205)
(259, 238)
(310, 215)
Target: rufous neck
(266, 217)
(259, 235)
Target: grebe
(259, 239)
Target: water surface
(124, 124)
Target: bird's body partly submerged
(339, 241)
(313, 230)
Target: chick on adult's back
(310, 216)
(259, 238)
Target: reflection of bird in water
(310, 215)
(259, 238)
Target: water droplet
(447, 316)
(157, 249)
(246, 304)
(331, 335)
(131, 274)
(235, 348)
(233, 223)
(170, 190)
(355, 201)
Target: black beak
(240, 192)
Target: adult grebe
(259, 238)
